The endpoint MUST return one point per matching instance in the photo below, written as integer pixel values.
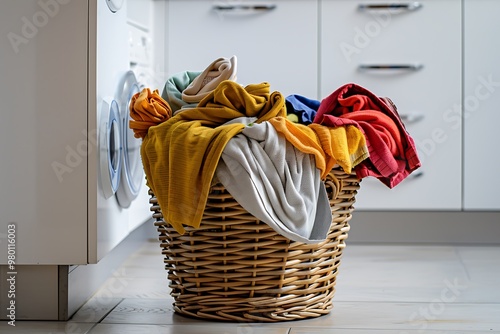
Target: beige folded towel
(219, 70)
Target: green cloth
(172, 91)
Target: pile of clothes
(271, 153)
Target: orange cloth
(147, 109)
(304, 139)
(344, 145)
(180, 155)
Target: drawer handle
(243, 7)
(411, 118)
(399, 6)
(407, 67)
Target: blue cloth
(303, 107)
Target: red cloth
(393, 154)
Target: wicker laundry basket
(236, 268)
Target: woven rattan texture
(236, 268)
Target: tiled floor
(393, 289)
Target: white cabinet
(43, 138)
(481, 102)
(359, 39)
(313, 47)
(274, 41)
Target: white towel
(219, 70)
(276, 183)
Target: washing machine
(122, 196)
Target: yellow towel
(345, 146)
(180, 155)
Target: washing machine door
(132, 176)
(114, 5)
(110, 147)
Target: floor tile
(133, 287)
(482, 265)
(142, 275)
(396, 273)
(45, 327)
(141, 311)
(371, 331)
(436, 315)
(194, 329)
(95, 309)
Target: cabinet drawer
(426, 44)
(278, 45)
(481, 101)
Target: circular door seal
(110, 148)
